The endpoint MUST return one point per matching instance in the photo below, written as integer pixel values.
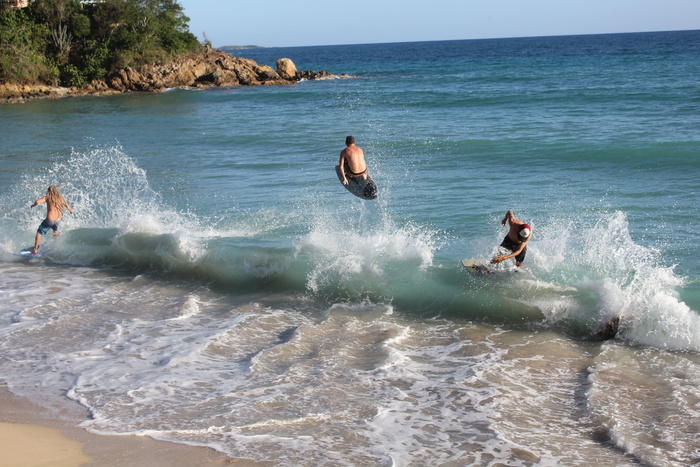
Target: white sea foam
(604, 274)
(347, 255)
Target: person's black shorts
(512, 246)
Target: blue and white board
(358, 186)
(27, 253)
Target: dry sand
(30, 437)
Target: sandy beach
(31, 437)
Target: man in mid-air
(352, 161)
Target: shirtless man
(519, 234)
(352, 161)
(55, 204)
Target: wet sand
(29, 436)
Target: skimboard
(476, 266)
(27, 253)
(358, 186)
(479, 266)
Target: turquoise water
(240, 298)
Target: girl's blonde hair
(55, 198)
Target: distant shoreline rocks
(238, 47)
(208, 68)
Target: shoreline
(30, 435)
(19, 94)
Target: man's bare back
(352, 161)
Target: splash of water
(605, 274)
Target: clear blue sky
(328, 22)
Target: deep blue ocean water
(218, 286)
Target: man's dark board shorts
(512, 246)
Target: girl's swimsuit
(48, 224)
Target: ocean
(217, 286)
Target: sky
(289, 23)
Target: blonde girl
(55, 203)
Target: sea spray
(346, 258)
(598, 272)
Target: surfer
(55, 203)
(352, 161)
(519, 234)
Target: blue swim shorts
(46, 225)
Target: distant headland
(236, 47)
(100, 48)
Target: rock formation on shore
(197, 70)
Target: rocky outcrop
(207, 68)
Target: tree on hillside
(22, 47)
(174, 33)
(55, 14)
(77, 43)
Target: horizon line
(235, 47)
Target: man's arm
(509, 218)
(342, 166)
(519, 250)
(499, 259)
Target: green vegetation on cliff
(71, 43)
